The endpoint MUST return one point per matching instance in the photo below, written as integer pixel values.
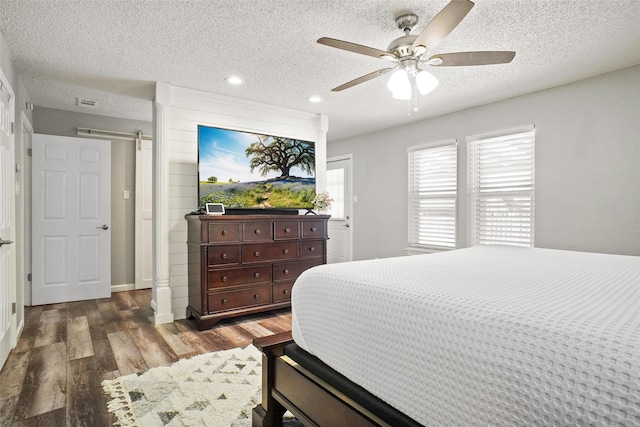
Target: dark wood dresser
(241, 264)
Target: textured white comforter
(484, 336)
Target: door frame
(12, 286)
(350, 202)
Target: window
(500, 189)
(432, 196)
(335, 187)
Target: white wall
(184, 111)
(587, 167)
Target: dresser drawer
(257, 231)
(283, 230)
(239, 276)
(223, 255)
(224, 232)
(289, 271)
(229, 300)
(282, 292)
(311, 248)
(266, 252)
(313, 229)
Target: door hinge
(29, 152)
(13, 308)
(13, 126)
(29, 277)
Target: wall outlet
(125, 194)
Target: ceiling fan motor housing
(402, 46)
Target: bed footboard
(270, 412)
(288, 386)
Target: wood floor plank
(203, 341)
(238, 336)
(79, 343)
(46, 371)
(51, 332)
(13, 374)
(176, 340)
(53, 315)
(124, 301)
(126, 353)
(7, 409)
(50, 419)
(76, 309)
(255, 328)
(27, 339)
(86, 406)
(44, 388)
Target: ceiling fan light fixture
(403, 94)
(234, 80)
(426, 82)
(399, 81)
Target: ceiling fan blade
(441, 25)
(356, 48)
(362, 79)
(471, 58)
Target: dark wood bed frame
(286, 385)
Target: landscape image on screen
(248, 170)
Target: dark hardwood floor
(53, 376)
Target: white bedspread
(484, 336)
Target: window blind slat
(500, 188)
(432, 196)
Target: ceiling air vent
(87, 103)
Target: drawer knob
(286, 292)
(313, 229)
(225, 232)
(287, 230)
(256, 275)
(224, 256)
(286, 251)
(257, 231)
(312, 248)
(286, 271)
(256, 253)
(256, 296)
(224, 278)
(224, 301)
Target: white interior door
(71, 214)
(144, 211)
(339, 187)
(7, 224)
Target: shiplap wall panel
(189, 108)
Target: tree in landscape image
(274, 153)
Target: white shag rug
(218, 389)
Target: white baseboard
(123, 287)
(153, 305)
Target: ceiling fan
(410, 51)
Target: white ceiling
(115, 51)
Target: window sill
(414, 250)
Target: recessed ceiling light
(234, 80)
(315, 99)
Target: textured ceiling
(115, 51)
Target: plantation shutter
(500, 181)
(432, 196)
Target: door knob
(5, 242)
(104, 227)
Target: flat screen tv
(248, 171)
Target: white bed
(484, 336)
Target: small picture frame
(214, 209)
